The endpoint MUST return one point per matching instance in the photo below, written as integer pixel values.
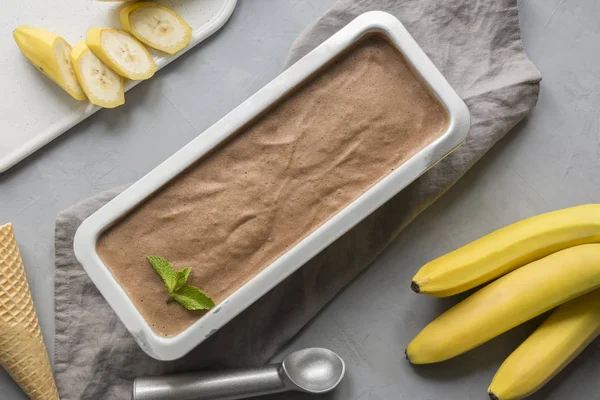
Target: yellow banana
(50, 54)
(123, 53)
(156, 26)
(102, 85)
(549, 349)
(507, 249)
(509, 301)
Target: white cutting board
(34, 110)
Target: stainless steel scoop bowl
(312, 370)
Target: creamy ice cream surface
(275, 181)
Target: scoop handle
(224, 385)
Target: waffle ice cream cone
(22, 350)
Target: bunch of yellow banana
(541, 262)
(94, 69)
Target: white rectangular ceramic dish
(174, 347)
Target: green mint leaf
(166, 272)
(192, 298)
(188, 296)
(182, 278)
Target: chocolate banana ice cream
(275, 181)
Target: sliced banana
(122, 52)
(102, 85)
(156, 26)
(50, 54)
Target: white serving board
(34, 110)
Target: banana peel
(549, 349)
(507, 302)
(507, 249)
(49, 53)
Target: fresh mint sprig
(177, 288)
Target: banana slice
(50, 54)
(122, 52)
(102, 85)
(156, 26)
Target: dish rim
(170, 348)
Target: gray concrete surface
(549, 161)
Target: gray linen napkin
(476, 45)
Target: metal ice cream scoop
(313, 370)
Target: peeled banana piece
(102, 85)
(550, 348)
(50, 54)
(121, 52)
(507, 249)
(507, 302)
(156, 26)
